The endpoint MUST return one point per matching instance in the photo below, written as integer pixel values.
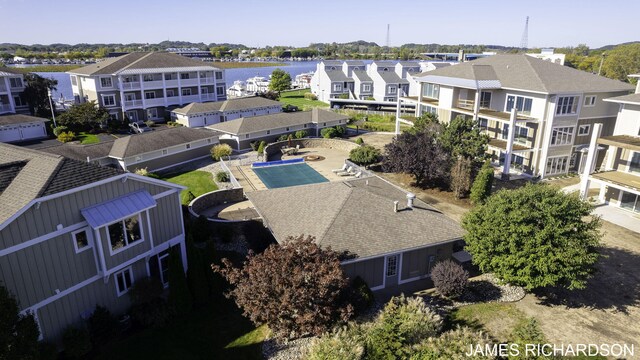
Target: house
(11, 88)
(619, 179)
(203, 114)
(19, 127)
(74, 235)
(391, 238)
(538, 114)
(155, 150)
(334, 79)
(240, 133)
(145, 85)
(409, 70)
(387, 84)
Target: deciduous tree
(280, 81)
(84, 116)
(36, 94)
(462, 137)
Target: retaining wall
(339, 144)
(211, 199)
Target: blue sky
(300, 22)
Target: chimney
(410, 198)
(461, 55)
(395, 206)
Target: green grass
(86, 138)
(253, 337)
(198, 182)
(498, 319)
(296, 98)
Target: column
(612, 153)
(476, 105)
(179, 88)
(199, 84)
(164, 90)
(121, 87)
(12, 103)
(398, 117)
(591, 159)
(144, 105)
(509, 147)
(420, 97)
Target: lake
(293, 68)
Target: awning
(118, 208)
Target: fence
(232, 178)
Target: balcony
(207, 80)
(209, 97)
(3, 88)
(171, 83)
(5, 108)
(156, 84)
(128, 104)
(622, 141)
(154, 102)
(466, 104)
(190, 99)
(173, 100)
(188, 82)
(131, 85)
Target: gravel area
(292, 350)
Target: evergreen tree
(481, 188)
(179, 296)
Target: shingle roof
(274, 121)
(391, 77)
(337, 75)
(626, 99)
(6, 71)
(138, 61)
(244, 103)
(332, 63)
(354, 62)
(13, 119)
(82, 152)
(155, 140)
(529, 73)
(42, 174)
(361, 75)
(355, 216)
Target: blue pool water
(278, 176)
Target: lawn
(375, 122)
(86, 138)
(296, 98)
(198, 182)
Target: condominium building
(204, 114)
(146, 85)
(538, 115)
(11, 88)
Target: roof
(523, 72)
(259, 123)
(354, 62)
(391, 77)
(332, 62)
(385, 63)
(115, 209)
(339, 215)
(6, 71)
(137, 144)
(361, 75)
(337, 75)
(136, 61)
(633, 99)
(408, 63)
(29, 174)
(243, 103)
(81, 152)
(13, 119)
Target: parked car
(139, 127)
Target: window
(74, 81)
(108, 100)
(149, 95)
(147, 77)
(584, 130)
(220, 90)
(124, 233)
(562, 136)
(15, 82)
(163, 260)
(129, 97)
(152, 113)
(18, 101)
(165, 151)
(337, 87)
(188, 146)
(431, 91)
(505, 131)
(485, 99)
(204, 90)
(218, 75)
(105, 82)
(184, 76)
(521, 134)
(567, 105)
(483, 123)
(557, 165)
(171, 76)
(287, 129)
(392, 265)
(268, 132)
(246, 136)
(522, 104)
(391, 89)
(132, 115)
(186, 92)
(170, 93)
(366, 88)
(590, 101)
(81, 240)
(634, 163)
(124, 280)
(304, 126)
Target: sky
(258, 23)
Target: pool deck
(234, 212)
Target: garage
(10, 133)
(19, 127)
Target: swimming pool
(288, 174)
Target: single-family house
(387, 84)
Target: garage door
(9, 133)
(32, 131)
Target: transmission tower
(524, 43)
(388, 30)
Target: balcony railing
(207, 80)
(187, 82)
(131, 85)
(5, 108)
(3, 88)
(154, 102)
(132, 103)
(153, 84)
(466, 104)
(173, 100)
(209, 96)
(171, 83)
(190, 99)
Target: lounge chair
(344, 168)
(356, 175)
(349, 172)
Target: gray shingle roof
(244, 103)
(529, 73)
(391, 77)
(155, 140)
(361, 75)
(13, 119)
(7, 71)
(138, 61)
(274, 121)
(82, 152)
(626, 99)
(355, 62)
(337, 75)
(355, 216)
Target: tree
(36, 94)
(221, 150)
(280, 81)
(364, 155)
(421, 123)
(462, 137)
(481, 188)
(296, 288)
(461, 177)
(179, 296)
(534, 236)
(271, 95)
(196, 274)
(419, 154)
(622, 61)
(18, 333)
(84, 116)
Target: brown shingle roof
(137, 144)
(13, 119)
(139, 60)
(244, 103)
(355, 216)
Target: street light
(53, 113)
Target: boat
(257, 84)
(238, 89)
(302, 81)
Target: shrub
(47, 351)
(173, 124)
(481, 188)
(346, 343)
(142, 171)
(310, 96)
(370, 98)
(527, 331)
(449, 278)
(300, 134)
(340, 130)
(361, 295)
(179, 296)
(261, 147)
(254, 145)
(197, 273)
(66, 136)
(222, 176)
(452, 345)
(359, 141)
(145, 290)
(103, 326)
(364, 155)
(150, 123)
(328, 133)
(199, 229)
(461, 177)
(60, 129)
(221, 150)
(154, 313)
(343, 96)
(76, 342)
(283, 137)
(402, 323)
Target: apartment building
(11, 88)
(146, 85)
(203, 114)
(619, 180)
(74, 235)
(539, 115)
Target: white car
(139, 127)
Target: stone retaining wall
(339, 144)
(214, 198)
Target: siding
(172, 159)
(139, 248)
(371, 271)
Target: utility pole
(524, 42)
